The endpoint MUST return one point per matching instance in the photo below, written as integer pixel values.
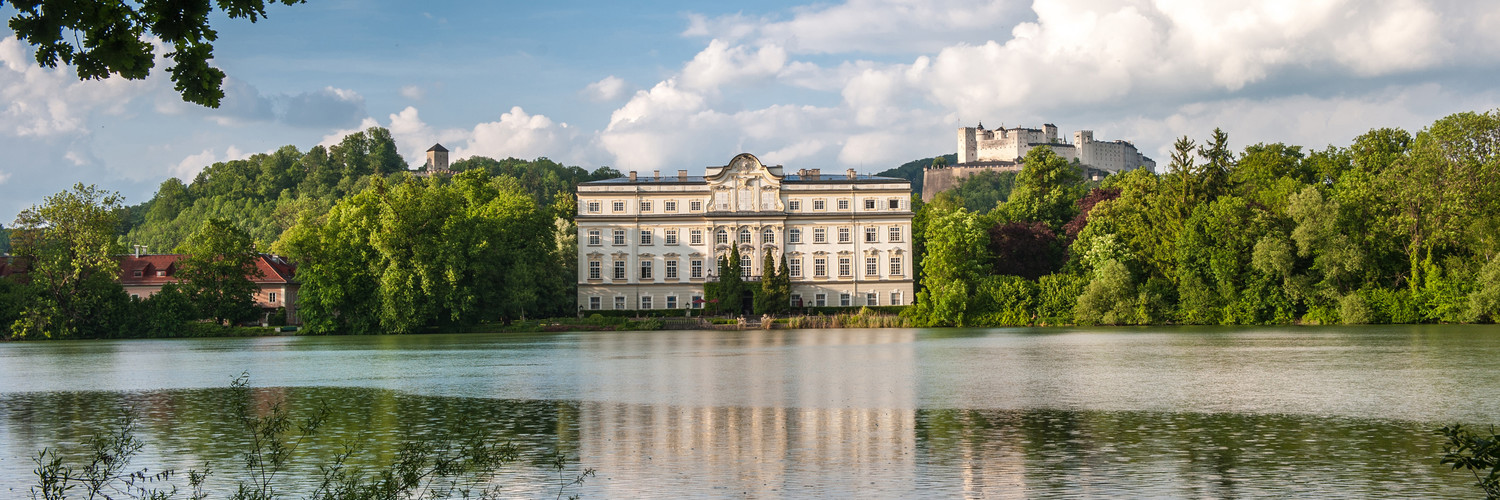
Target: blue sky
(864, 84)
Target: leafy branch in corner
(1475, 452)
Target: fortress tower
(437, 158)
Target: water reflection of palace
(784, 407)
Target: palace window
(619, 269)
(619, 237)
(871, 236)
(696, 268)
(794, 236)
(745, 235)
(645, 302)
(594, 303)
(745, 263)
(671, 206)
(672, 269)
(671, 236)
(895, 235)
(895, 203)
(671, 302)
(695, 237)
(820, 267)
(796, 300)
(697, 302)
(820, 300)
(870, 299)
(645, 236)
(695, 205)
(843, 235)
(818, 204)
(721, 236)
(645, 206)
(820, 235)
(872, 266)
(593, 207)
(596, 269)
(795, 267)
(794, 205)
(619, 206)
(619, 302)
(767, 235)
(845, 269)
(843, 204)
(844, 300)
(895, 298)
(594, 237)
(895, 265)
(645, 269)
(869, 203)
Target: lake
(892, 413)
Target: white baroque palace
(652, 242)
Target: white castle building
(652, 242)
(976, 145)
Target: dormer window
(161, 273)
(137, 273)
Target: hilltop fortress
(1002, 149)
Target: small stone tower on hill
(437, 158)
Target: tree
(1046, 190)
(101, 39)
(1214, 176)
(67, 243)
(217, 272)
(954, 264)
(1027, 249)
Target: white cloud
(188, 168)
(4, 176)
(517, 134)
(868, 26)
(610, 88)
(42, 102)
(720, 63)
(413, 92)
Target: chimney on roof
(656, 175)
(682, 175)
(632, 176)
(139, 249)
(851, 173)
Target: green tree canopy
(216, 274)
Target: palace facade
(652, 242)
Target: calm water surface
(953, 413)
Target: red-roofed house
(143, 276)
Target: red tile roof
(273, 269)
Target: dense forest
(491, 243)
(1394, 228)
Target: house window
(594, 237)
(619, 269)
(794, 236)
(721, 236)
(162, 272)
(794, 205)
(895, 203)
(271, 297)
(844, 299)
(645, 302)
(594, 303)
(596, 268)
(671, 236)
(745, 235)
(645, 236)
(895, 265)
(695, 237)
(695, 205)
(844, 267)
(820, 300)
(593, 207)
(618, 206)
(645, 269)
(869, 203)
(820, 235)
(796, 300)
(696, 268)
(871, 236)
(895, 298)
(672, 269)
(818, 204)
(870, 299)
(619, 302)
(697, 302)
(795, 266)
(843, 235)
(872, 266)
(895, 235)
(671, 206)
(767, 236)
(843, 204)
(619, 236)
(745, 263)
(820, 267)
(671, 302)
(137, 273)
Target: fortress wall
(937, 180)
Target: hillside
(912, 170)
